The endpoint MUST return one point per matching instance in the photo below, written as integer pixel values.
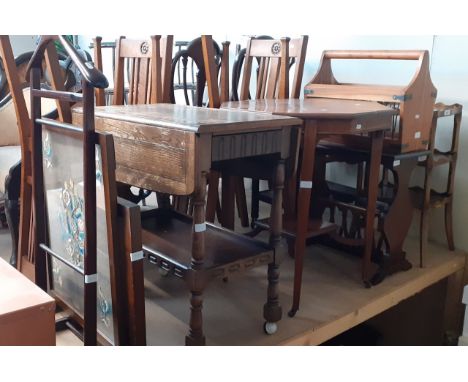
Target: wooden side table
(324, 117)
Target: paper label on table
(417, 135)
(422, 158)
(305, 184)
(135, 256)
(200, 227)
(396, 163)
(447, 112)
(358, 126)
(90, 279)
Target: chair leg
(227, 201)
(241, 201)
(449, 225)
(423, 234)
(213, 196)
(12, 208)
(255, 201)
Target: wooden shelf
(316, 227)
(167, 238)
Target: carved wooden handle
(93, 76)
(375, 54)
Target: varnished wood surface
(156, 145)
(313, 108)
(333, 299)
(194, 119)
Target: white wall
(22, 43)
(449, 71)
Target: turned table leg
(196, 278)
(272, 311)
(303, 207)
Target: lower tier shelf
(167, 241)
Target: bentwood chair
(87, 242)
(427, 197)
(190, 78)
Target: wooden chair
(274, 59)
(191, 63)
(426, 197)
(200, 71)
(142, 70)
(16, 133)
(149, 76)
(87, 243)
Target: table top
(313, 108)
(194, 119)
(19, 293)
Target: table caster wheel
(292, 313)
(270, 327)
(163, 272)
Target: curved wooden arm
(93, 76)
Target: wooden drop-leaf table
(171, 149)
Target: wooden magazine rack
(415, 101)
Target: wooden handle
(374, 54)
(93, 76)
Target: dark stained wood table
(322, 118)
(171, 148)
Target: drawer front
(246, 145)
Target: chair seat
(438, 159)
(167, 241)
(437, 199)
(9, 156)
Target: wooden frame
(126, 281)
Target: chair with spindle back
(272, 60)
(87, 243)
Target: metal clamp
(90, 279)
(135, 256)
(201, 227)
